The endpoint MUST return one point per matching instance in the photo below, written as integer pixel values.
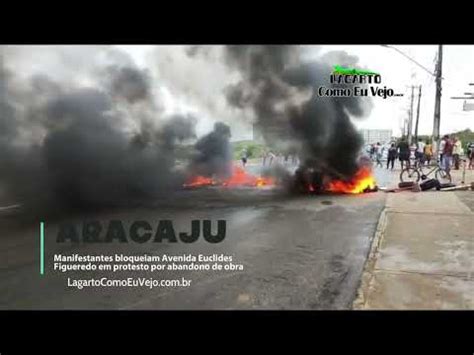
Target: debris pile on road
(426, 185)
(322, 181)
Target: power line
(410, 58)
(446, 81)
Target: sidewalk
(422, 254)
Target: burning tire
(307, 181)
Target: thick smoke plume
(75, 146)
(282, 92)
(213, 155)
(130, 84)
(87, 129)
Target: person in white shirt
(420, 151)
(441, 148)
(378, 154)
(272, 157)
(412, 157)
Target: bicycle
(415, 173)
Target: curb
(368, 271)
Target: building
(468, 106)
(372, 136)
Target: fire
(264, 181)
(239, 177)
(362, 181)
(199, 181)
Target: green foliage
(254, 150)
(425, 138)
(466, 136)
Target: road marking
(6, 208)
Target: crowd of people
(448, 154)
(269, 157)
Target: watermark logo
(353, 82)
(340, 70)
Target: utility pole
(417, 115)
(437, 110)
(406, 122)
(410, 119)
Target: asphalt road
(298, 252)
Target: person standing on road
(403, 153)
(470, 155)
(457, 150)
(441, 148)
(420, 151)
(271, 156)
(412, 155)
(264, 157)
(372, 151)
(244, 156)
(428, 152)
(392, 155)
(378, 154)
(447, 153)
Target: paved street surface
(298, 252)
(304, 252)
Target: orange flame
(239, 177)
(199, 181)
(362, 181)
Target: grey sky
(192, 85)
(399, 73)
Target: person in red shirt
(447, 153)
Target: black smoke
(129, 83)
(281, 90)
(70, 142)
(213, 154)
(65, 146)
